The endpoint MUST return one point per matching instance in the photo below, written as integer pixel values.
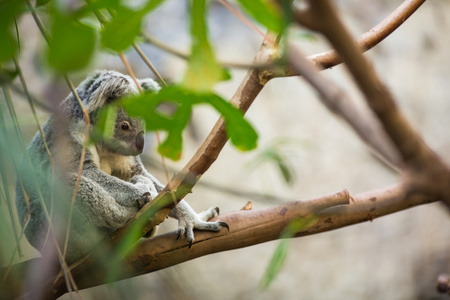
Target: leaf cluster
(76, 34)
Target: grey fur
(113, 182)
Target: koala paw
(190, 220)
(144, 185)
(140, 179)
(146, 198)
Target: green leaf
(120, 33)
(241, 133)
(99, 4)
(265, 12)
(42, 2)
(7, 76)
(9, 11)
(72, 44)
(280, 254)
(104, 127)
(275, 264)
(145, 106)
(279, 153)
(203, 70)
(173, 145)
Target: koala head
(127, 135)
(107, 87)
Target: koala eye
(125, 126)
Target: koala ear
(149, 85)
(104, 87)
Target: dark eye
(125, 126)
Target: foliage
(280, 254)
(279, 153)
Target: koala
(114, 183)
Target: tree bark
(247, 228)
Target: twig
(157, 43)
(241, 17)
(367, 40)
(148, 63)
(338, 101)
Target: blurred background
(393, 257)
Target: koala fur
(114, 183)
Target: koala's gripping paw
(146, 198)
(190, 220)
(140, 179)
(146, 188)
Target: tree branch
(366, 41)
(182, 183)
(337, 100)
(424, 165)
(249, 227)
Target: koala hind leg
(188, 220)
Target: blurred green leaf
(265, 12)
(241, 133)
(72, 44)
(276, 262)
(121, 32)
(99, 4)
(104, 127)
(280, 254)
(9, 46)
(203, 70)
(42, 2)
(9, 11)
(277, 153)
(7, 76)
(173, 145)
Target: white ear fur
(149, 85)
(102, 84)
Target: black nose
(140, 141)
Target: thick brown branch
(416, 155)
(252, 227)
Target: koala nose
(140, 142)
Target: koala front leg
(108, 201)
(188, 220)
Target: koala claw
(223, 224)
(180, 232)
(146, 198)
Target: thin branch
(337, 100)
(185, 56)
(366, 41)
(148, 63)
(241, 17)
(39, 102)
